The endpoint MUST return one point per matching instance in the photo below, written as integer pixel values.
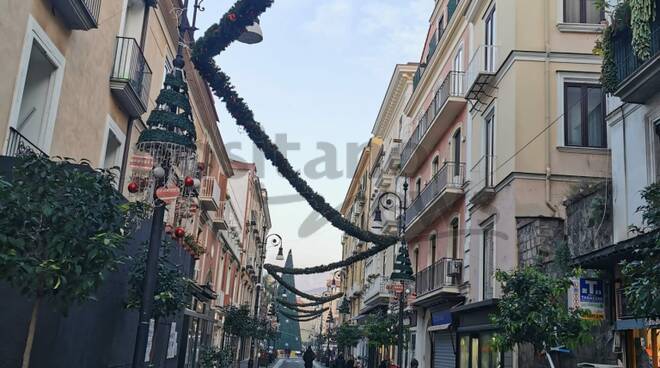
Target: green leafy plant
(193, 246)
(380, 329)
(239, 322)
(61, 229)
(533, 310)
(347, 336)
(642, 14)
(642, 274)
(172, 286)
(215, 358)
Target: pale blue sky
(319, 76)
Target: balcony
(131, 77)
(482, 180)
(439, 194)
(447, 103)
(481, 72)
(393, 158)
(218, 218)
(638, 79)
(209, 194)
(375, 292)
(439, 279)
(18, 145)
(78, 14)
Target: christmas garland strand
(288, 304)
(272, 269)
(308, 313)
(215, 40)
(292, 289)
(300, 319)
(302, 310)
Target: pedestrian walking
(308, 357)
(414, 363)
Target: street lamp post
(403, 271)
(276, 241)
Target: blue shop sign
(442, 318)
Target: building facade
(82, 78)
(633, 117)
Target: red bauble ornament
(188, 181)
(179, 232)
(232, 17)
(133, 187)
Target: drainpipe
(131, 121)
(548, 138)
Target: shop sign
(442, 318)
(588, 294)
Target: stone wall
(589, 218)
(537, 238)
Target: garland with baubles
(290, 305)
(329, 267)
(215, 40)
(315, 298)
(309, 313)
(300, 319)
(305, 311)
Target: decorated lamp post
(403, 272)
(168, 146)
(272, 240)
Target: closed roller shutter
(443, 350)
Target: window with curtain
(584, 115)
(582, 11)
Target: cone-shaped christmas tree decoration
(166, 149)
(402, 267)
(289, 329)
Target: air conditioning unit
(455, 267)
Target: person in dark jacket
(414, 363)
(339, 362)
(350, 363)
(384, 364)
(308, 357)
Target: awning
(441, 327)
(610, 255)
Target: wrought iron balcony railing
(79, 14)
(131, 77)
(451, 175)
(452, 86)
(445, 273)
(18, 145)
(638, 79)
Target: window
(418, 187)
(489, 48)
(133, 19)
(113, 147)
(582, 11)
(656, 149)
(454, 239)
(433, 247)
(435, 166)
(489, 150)
(37, 89)
(476, 351)
(488, 262)
(456, 142)
(584, 115)
(416, 259)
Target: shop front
(475, 335)
(443, 340)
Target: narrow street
(291, 363)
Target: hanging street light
(402, 272)
(272, 240)
(252, 34)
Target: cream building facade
(81, 77)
